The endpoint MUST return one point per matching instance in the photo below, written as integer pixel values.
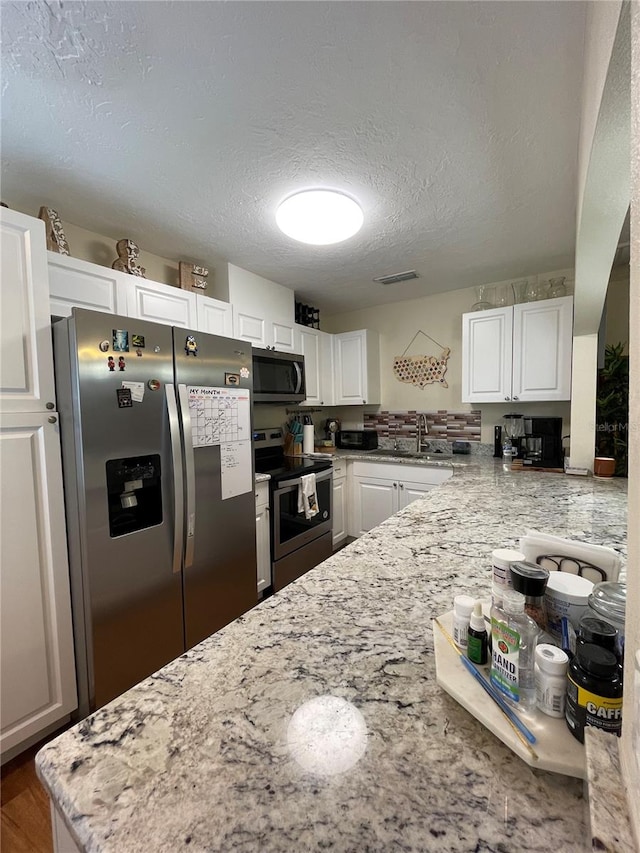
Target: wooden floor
(26, 822)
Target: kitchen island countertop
(204, 755)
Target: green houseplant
(612, 407)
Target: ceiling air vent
(396, 277)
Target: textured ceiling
(182, 125)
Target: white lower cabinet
(378, 490)
(263, 536)
(37, 667)
(339, 503)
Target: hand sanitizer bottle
(513, 646)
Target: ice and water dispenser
(134, 488)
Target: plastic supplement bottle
(513, 646)
(551, 679)
(594, 692)
(462, 607)
(502, 559)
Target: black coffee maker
(541, 445)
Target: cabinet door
(356, 368)
(161, 303)
(214, 316)
(373, 502)
(281, 335)
(263, 547)
(26, 357)
(409, 492)
(37, 663)
(542, 342)
(350, 367)
(339, 512)
(78, 284)
(486, 356)
(249, 327)
(307, 343)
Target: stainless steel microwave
(278, 377)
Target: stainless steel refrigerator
(159, 490)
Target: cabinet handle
(395, 485)
(52, 420)
(402, 485)
(516, 398)
(507, 398)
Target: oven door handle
(290, 484)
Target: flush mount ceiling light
(319, 217)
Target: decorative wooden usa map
(422, 370)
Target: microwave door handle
(190, 476)
(299, 377)
(178, 478)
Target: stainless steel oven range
(297, 543)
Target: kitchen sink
(410, 454)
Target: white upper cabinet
(263, 311)
(487, 343)
(214, 316)
(542, 342)
(521, 352)
(356, 368)
(317, 349)
(26, 370)
(78, 284)
(161, 303)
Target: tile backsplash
(442, 424)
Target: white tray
(557, 749)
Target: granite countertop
(262, 478)
(231, 746)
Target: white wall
(617, 307)
(631, 710)
(602, 195)
(439, 316)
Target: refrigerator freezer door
(112, 374)
(220, 575)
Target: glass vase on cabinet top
(484, 295)
(518, 289)
(557, 287)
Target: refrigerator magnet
(104, 346)
(125, 400)
(111, 363)
(232, 379)
(244, 372)
(121, 363)
(120, 340)
(190, 346)
(137, 341)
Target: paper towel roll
(308, 440)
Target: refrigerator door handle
(178, 478)
(190, 475)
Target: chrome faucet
(396, 446)
(422, 432)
